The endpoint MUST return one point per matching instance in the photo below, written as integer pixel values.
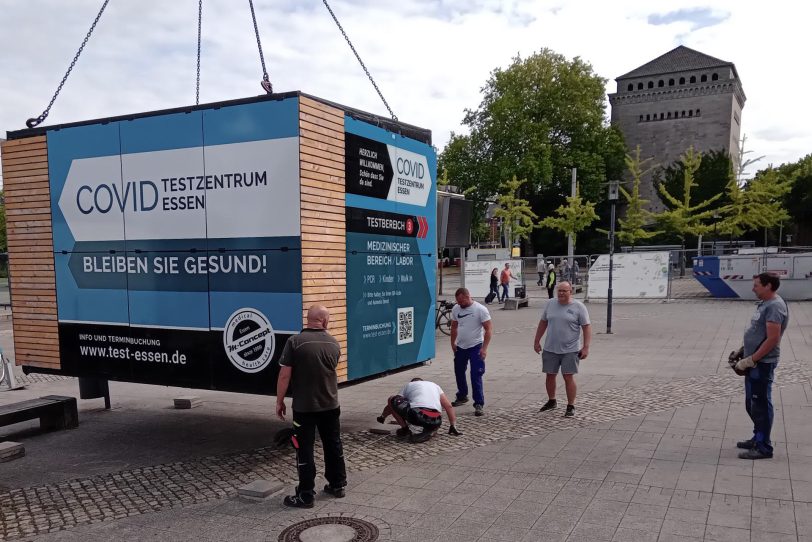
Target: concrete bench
(54, 412)
(514, 303)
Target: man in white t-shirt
(471, 331)
(419, 403)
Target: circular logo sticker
(249, 340)
(409, 226)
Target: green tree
(573, 217)
(539, 117)
(798, 201)
(759, 204)
(637, 217)
(515, 212)
(710, 179)
(682, 218)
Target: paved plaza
(650, 454)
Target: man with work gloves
(419, 404)
(756, 361)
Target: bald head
(318, 317)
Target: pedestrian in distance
(504, 281)
(471, 330)
(419, 403)
(308, 366)
(551, 278)
(564, 319)
(757, 359)
(494, 287)
(541, 269)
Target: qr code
(405, 325)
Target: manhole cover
(330, 529)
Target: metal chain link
(371, 80)
(31, 123)
(266, 82)
(199, 35)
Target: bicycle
(443, 319)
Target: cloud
(430, 58)
(697, 17)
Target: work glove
(735, 356)
(453, 431)
(286, 436)
(745, 363)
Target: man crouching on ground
(419, 403)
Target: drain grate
(340, 529)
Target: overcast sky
(429, 57)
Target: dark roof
(677, 60)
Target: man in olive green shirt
(308, 365)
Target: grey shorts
(552, 362)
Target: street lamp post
(613, 196)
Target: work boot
(296, 501)
(746, 444)
(459, 401)
(337, 492)
(570, 411)
(403, 432)
(478, 410)
(754, 453)
(423, 436)
(549, 405)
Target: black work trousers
(327, 422)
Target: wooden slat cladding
(31, 252)
(324, 261)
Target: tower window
(704, 78)
(639, 86)
(630, 87)
(697, 112)
(651, 84)
(691, 113)
(641, 119)
(662, 116)
(669, 114)
(648, 117)
(683, 113)
(693, 79)
(715, 77)
(661, 83)
(681, 80)
(670, 82)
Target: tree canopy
(539, 117)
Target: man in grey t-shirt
(759, 359)
(565, 318)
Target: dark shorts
(567, 363)
(422, 417)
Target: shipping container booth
(183, 247)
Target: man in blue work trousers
(757, 360)
(471, 331)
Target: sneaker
(380, 419)
(570, 411)
(296, 501)
(421, 437)
(337, 492)
(478, 410)
(754, 453)
(746, 444)
(459, 401)
(403, 432)
(549, 405)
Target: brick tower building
(679, 99)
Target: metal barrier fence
(681, 281)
